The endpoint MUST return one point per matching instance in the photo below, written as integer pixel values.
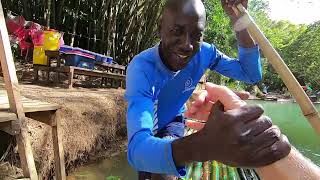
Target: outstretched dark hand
(227, 7)
(241, 137)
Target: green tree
(281, 34)
(303, 56)
(219, 32)
(119, 28)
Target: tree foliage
(299, 45)
(119, 28)
(219, 32)
(303, 55)
(218, 28)
(123, 28)
(283, 35)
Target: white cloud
(296, 11)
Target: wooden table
(113, 68)
(108, 72)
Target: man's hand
(202, 104)
(241, 137)
(227, 7)
(235, 134)
(243, 37)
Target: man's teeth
(182, 56)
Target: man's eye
(197, 36)
(176, 32)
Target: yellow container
(51, 40)
(39, 56)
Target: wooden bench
(71, 71)
(112, 72)
(115, 69)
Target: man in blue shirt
(161, 79)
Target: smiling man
(161, 79)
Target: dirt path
(93, 122)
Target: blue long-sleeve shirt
(157, 95)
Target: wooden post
(102, 81)
(58, 148)
(58, 65)
(70, 77)
(36, 73)
(47, 75)
(13, 91)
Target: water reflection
(291, 121)
(287, 116)
(115, 168)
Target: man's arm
(243, 37)
(294, 166)
(248, 66)
(145, 152)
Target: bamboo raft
(213, 170)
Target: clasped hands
(232, 132)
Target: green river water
(286, 115)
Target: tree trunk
(26, 10)
(89, 35)
(103, 19)
(75, 16)
(113, 50)
(109, 27)
(95, 25)
(59, 15)
(48, 13)
(53, 15)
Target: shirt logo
(155, 117)
(188, 85)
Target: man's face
(181, 35)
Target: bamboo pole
(245, 21)
(290, 167)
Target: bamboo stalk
(224, 174)
(189, 171)
(215, 171)
(206, 170)
(309, 111)
(197, 172)
(231, 173)
(290, 166)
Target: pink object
(36, 33)
(25, 47)
(27, 31)
(61, 42)
(37, 38)
(15, 24)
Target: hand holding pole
(245, 21)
